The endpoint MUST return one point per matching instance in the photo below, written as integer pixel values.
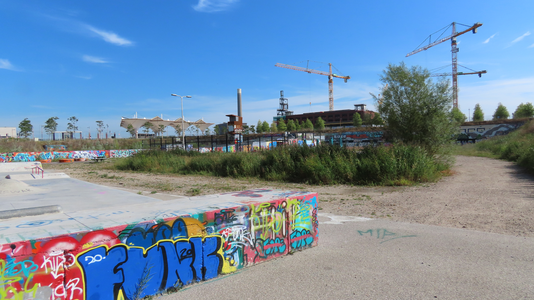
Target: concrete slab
(19, 166)
(124, 211)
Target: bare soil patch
(479, 194)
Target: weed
(153, 192)
(140, 193)
(194, 191)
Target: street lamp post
(183, 132)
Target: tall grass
(517, 146)
(325, 164)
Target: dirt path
(482, 194)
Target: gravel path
(481, 194)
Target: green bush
(325, 164)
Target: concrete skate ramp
(13, 187)
(19, 166)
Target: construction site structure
(330, 79)
(454, 51)
(283, 108)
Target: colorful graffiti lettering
(54, 154)
(133, 261)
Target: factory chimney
(239, 112)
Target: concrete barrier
(149, 249)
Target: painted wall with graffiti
(486, 130)
(355, 139)
(87, 154)
(135, 260)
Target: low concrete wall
(146, 250)
(90, 154)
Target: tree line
(50, 126)
(523, 110)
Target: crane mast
(330, 75)
(454, 52)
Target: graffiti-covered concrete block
(147, 250)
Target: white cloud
(93, 59)
(487, 41)
(521, 37)
(210, 6)
(5, 64)
(110, 37)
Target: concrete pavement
(379, 259)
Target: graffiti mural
(87, 154)
(355, 139)
(132, 261)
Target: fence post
(226, 139)
(198, 143)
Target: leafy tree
(291, 126)
(51, 125)
(319, 124)
(501, 113)
(415, 108)
(131, 130)
(259, 127)
(100, 127)
(478, 114)
(367, 119)
(524, 111)
(252, 129)
(457, 115)
(297, 125)
(377, 120)
(265, 127)
(282, 126)
(309, 124)
(71, 125)
(147, 126)
(357, 120)
(26, 128)
(274, 128)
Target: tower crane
(454, 50)
(330, 79)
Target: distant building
(7, 132)
(335, 118)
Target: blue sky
(103, 60)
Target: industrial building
(335, 118)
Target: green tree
(416, 108)
(377, 120)
(298, 125)
(131, 130)
(265, 127)
(147, 126)
(308, 124)
(501, 113)
(478, 114)
(357, 120)
(319, 124)
(252, 129)
(259, 127)
(367, 119)
(26, 128)
(457, 115)
(71, 126)
(282, 126)
(51, 125)
(524, 111)
(291, 126)
(274, 128)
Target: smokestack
(239, 112)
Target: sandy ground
(481, 194)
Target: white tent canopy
(157, 122)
